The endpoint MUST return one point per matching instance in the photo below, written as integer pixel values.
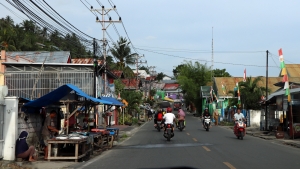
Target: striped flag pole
(285, 78)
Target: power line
(12, 12)
(237, 64)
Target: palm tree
(251, 92)
(122, 53)
(7, 34)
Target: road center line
(188, 134)
(229, 165)
(195, 139)
(207, 149)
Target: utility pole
(152, 73)
(266, 108)
(212, 54)
(103, 13)
(137, 61)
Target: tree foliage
(250, 93)
(27, 36)
(160, 76)
(176, 70)
(145, 68)
(221, 73)
(134, 100)
(190, 77)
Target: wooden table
(107, 139)
(83, 142)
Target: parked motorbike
(169, 133)
(206, 123)
(239, 129)
(159, 126)
(180, 125)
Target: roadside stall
(78, 142)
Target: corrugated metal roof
(130, 83)
(293, 70)
(158, 86)
(85, 61)
(118, 73)
(169, 81)
(171, 86)
(38, 56)
(230, 83)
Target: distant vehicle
(177, 105)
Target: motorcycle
(239, 129)
(169, 133)
(206, 123)
(159, 126)
(180, 125)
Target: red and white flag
(244, 78)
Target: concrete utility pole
(104, 41)
(137, 69)
(152, 73)
(212, 54)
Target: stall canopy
(61, 92)
(114, 101)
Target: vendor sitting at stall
(49, 130)
(23, 150)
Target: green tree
(144, 68)
(190, 77)
(177, 69)
(134, 100)
(160, 76)
(121, 52)
(7, 34)
(119, 86)
(221, 73)
(251, 92)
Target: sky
(232, 35)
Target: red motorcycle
(239, 129)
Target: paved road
(196, 148)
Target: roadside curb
(129, 134)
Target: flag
(283, 71)
(223, 88)
(286, 85)
(285, 78)
(211, 95)
(244, 79)
(238, 93)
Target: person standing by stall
(216, 116)
(49, 130)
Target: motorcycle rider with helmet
(205, 115)
(158, 117)
(169, 118)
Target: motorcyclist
(205, 115)
(158, 116)
(180, 116)
(169, 118)
(238, 116)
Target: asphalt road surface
(195, 148)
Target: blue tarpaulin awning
(114, 101)
(59, 93)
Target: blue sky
(169, 32)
